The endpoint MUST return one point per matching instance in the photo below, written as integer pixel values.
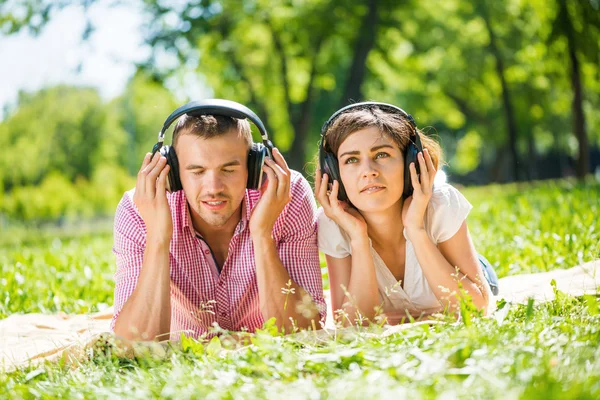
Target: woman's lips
(373, 189)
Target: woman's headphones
(329, 162)
(256, 156)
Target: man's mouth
(215, 205)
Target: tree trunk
(532, 158)
(583, 160)
(302, 122)
(365, 41)
(509, 115)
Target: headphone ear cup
(256, 159)
(332, 168)
(410, 156)
(173, 181)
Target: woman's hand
(413, 210)
(347, 218)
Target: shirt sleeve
(297, 247)
(129, 245)
(447, 210)
(332, 240)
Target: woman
(388, 249)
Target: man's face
(213, 174)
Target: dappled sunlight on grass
(541, 351)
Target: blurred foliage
(495, 81)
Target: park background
(510, 88)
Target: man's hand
(275, 195)
(150, 198)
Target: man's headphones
(329, 162)
(256, 156)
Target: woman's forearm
(443, 278)
(362, 297)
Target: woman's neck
(385, 227)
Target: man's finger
(153, 175)
(280, 160)
(272, 181)
(283, 179)
(140, 183)
(161, 183)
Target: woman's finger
(322, 196)
(430, 166)
(414, 178)
(317, 181)
(424, 173)
(333, 196)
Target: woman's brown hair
(394, 125)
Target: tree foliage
(511, 88)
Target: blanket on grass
(27, 339)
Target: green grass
(545, 351)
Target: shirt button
(206, 252)
(223, 314)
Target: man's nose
(213, 181)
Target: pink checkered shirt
(200, 295)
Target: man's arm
(146, 312)
(282, 296)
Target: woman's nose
(370, 170)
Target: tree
(63, 129)
(579, 24)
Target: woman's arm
(353, 284)
(440, 264)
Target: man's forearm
(147, 313)
(277, 300)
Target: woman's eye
(382, 155)
(351, 160)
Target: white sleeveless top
(446, 211)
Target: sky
(60, 55)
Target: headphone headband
(365, 105)
(227, 108)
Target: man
(215, 252)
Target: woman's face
(372, 170)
